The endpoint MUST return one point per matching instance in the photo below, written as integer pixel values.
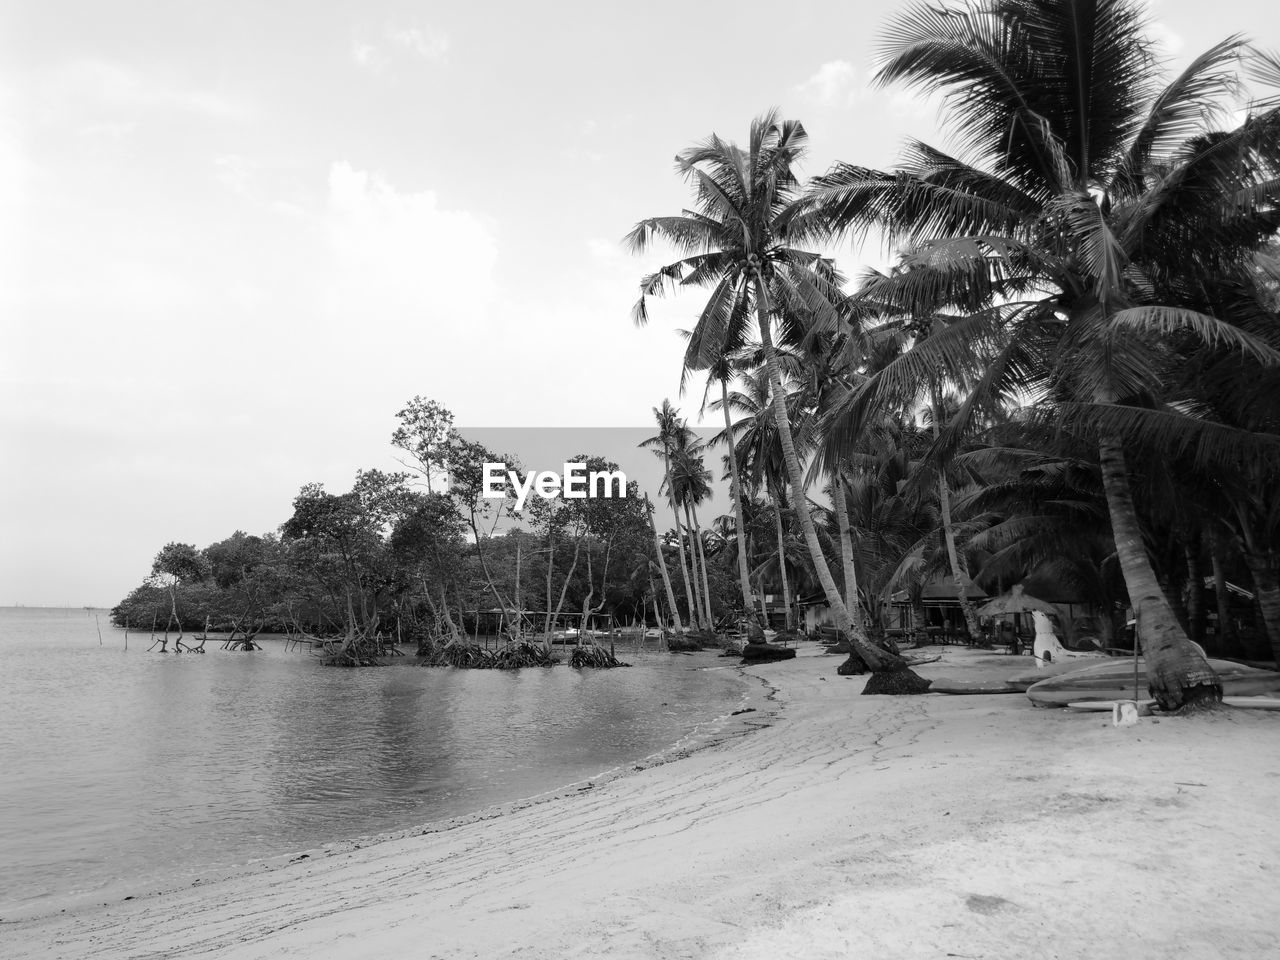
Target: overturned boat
(1114, 680)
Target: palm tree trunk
(919, 617)
(879, 661)
(702, 559)
(949, 534)
(1195, 592)
(694, 617)
(782, 561)
(735, 485)
(693, 570)
(1177, 674)
(841, 509)
(1226, 638)
(666, 578)
(1267, 586)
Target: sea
(124, 770)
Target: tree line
(1076, 349)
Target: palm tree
(662, 566)
(738, 241)
(1050, 266)
(664, 443)
(754, 445)
(958, 576)
(722, 370)
(691, 484)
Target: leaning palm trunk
(878, 660)
(1226, 637)
(696, 573)
(695, 618)
(949, 535)
(1195, 590)
(953, 558)
(702, 561)
(1177, 674)
(666, 578)
(851, 601)
(782, 560)
(735, 484)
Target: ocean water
(123, 771)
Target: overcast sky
(237, 236)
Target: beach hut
(944, 619)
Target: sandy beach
(827, 825)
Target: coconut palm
(663, 443)
(662, 567)
(690, 485)
(740, 242)
(722, 371)
(1050, 265)
(755, 446)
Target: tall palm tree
(739, 241)
(722, 371)
(663, 443)
(662, 567)
(691, 484)
(1048, 263)
(755, 446)
(958, 575)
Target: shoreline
(754, 703)
(912, 826)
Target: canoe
(1253, 703)
(1021, 681)
(1114, 681)
(943, 685)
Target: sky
(236, 238)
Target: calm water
(120, 770)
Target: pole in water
(98, 624)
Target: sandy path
(852, 826)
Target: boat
(964, 687)
(1114, 680)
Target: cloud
(431, 44)
(376, 57)
(401, 254)
(1168, 41)
(234, 172)
(368, 56)
(127, 88)
(833, 85)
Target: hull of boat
(1115, 681)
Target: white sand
(851, 827)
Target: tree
(177, 564)
(722, 371)
(340, 541)
(739, 242)
(664, 443)
(426, 434)
(1053, 266)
